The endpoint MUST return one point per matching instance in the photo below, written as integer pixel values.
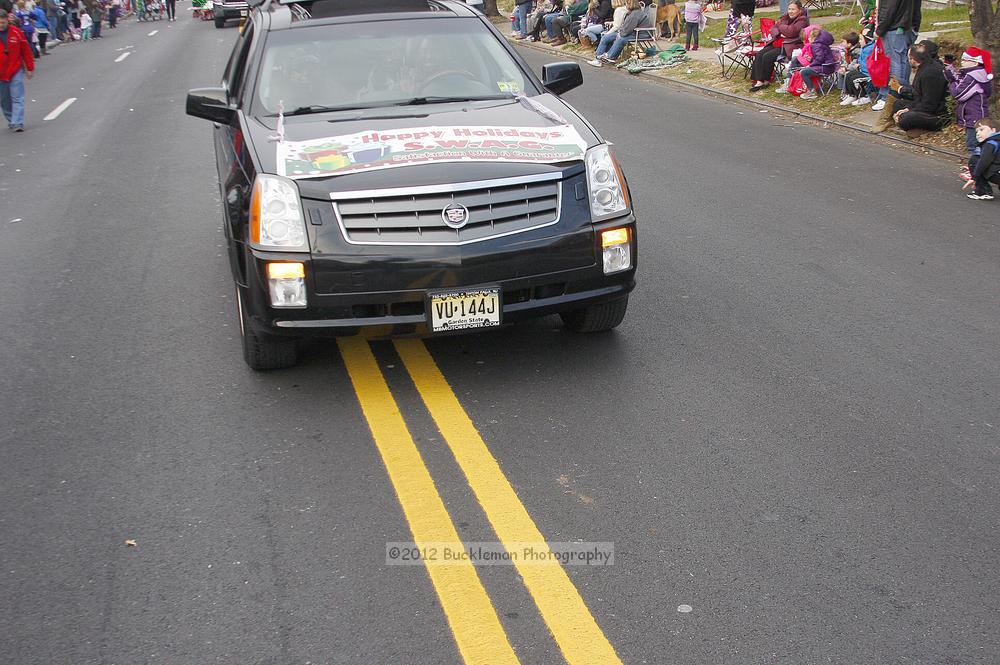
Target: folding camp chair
(739, 54)
(645, 38)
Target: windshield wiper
(413, 101)
(318, 108)
(416, 101)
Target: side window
(227, 74)
(238, 75)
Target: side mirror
(210, 104)
(560, 77)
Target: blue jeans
(549, 18)
(971, 142)
(896, 47)
(807, 77)
(12, 99)
(594, 32)
(611, 45)
(521, 18)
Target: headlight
(276, 220)
(608, 196)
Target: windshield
(381, 63)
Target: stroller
(149, 10)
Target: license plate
(243, 12)
(461, 310)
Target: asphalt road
(794, 433)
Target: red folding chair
(740, 56)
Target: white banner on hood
(373, 150)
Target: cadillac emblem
(455, 215)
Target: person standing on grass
(897, 23)
(16, 64)
(694, 12)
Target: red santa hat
(974, 54)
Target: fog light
(287, 284)
(617, 251)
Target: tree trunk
(985, 22)
(490, 8)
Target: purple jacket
(692, 11)
(971, 87)
(823, 61)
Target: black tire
(595, 318)
(264, 353)
(220, 22)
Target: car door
(231, 152)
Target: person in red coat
(16, 64)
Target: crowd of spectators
(800, 57)
(48, 22)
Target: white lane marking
(152, 33)
(59, 109)
(122, 56)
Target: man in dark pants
(171, 10)
(925, 111)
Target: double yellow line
(480, 636)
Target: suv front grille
(415, 215)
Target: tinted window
(385, 62)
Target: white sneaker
(783, 90)
(861, 101)
(879, 105)
(594, 63)
(847, 100)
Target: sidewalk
(703, 72)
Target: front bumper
(531, 290)
(230, 11)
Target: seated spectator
(562, 24)
(536, 19)
(801, 57)
(786, 36)
(592, 26)
(971, 86)
(614, 41)
(823, 63)
(558, 9)
(986, 169)
(850, 46)
(920, 107)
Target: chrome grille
(413, 215)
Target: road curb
(762, 104)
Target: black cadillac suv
(392, 167)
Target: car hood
(500, 113)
